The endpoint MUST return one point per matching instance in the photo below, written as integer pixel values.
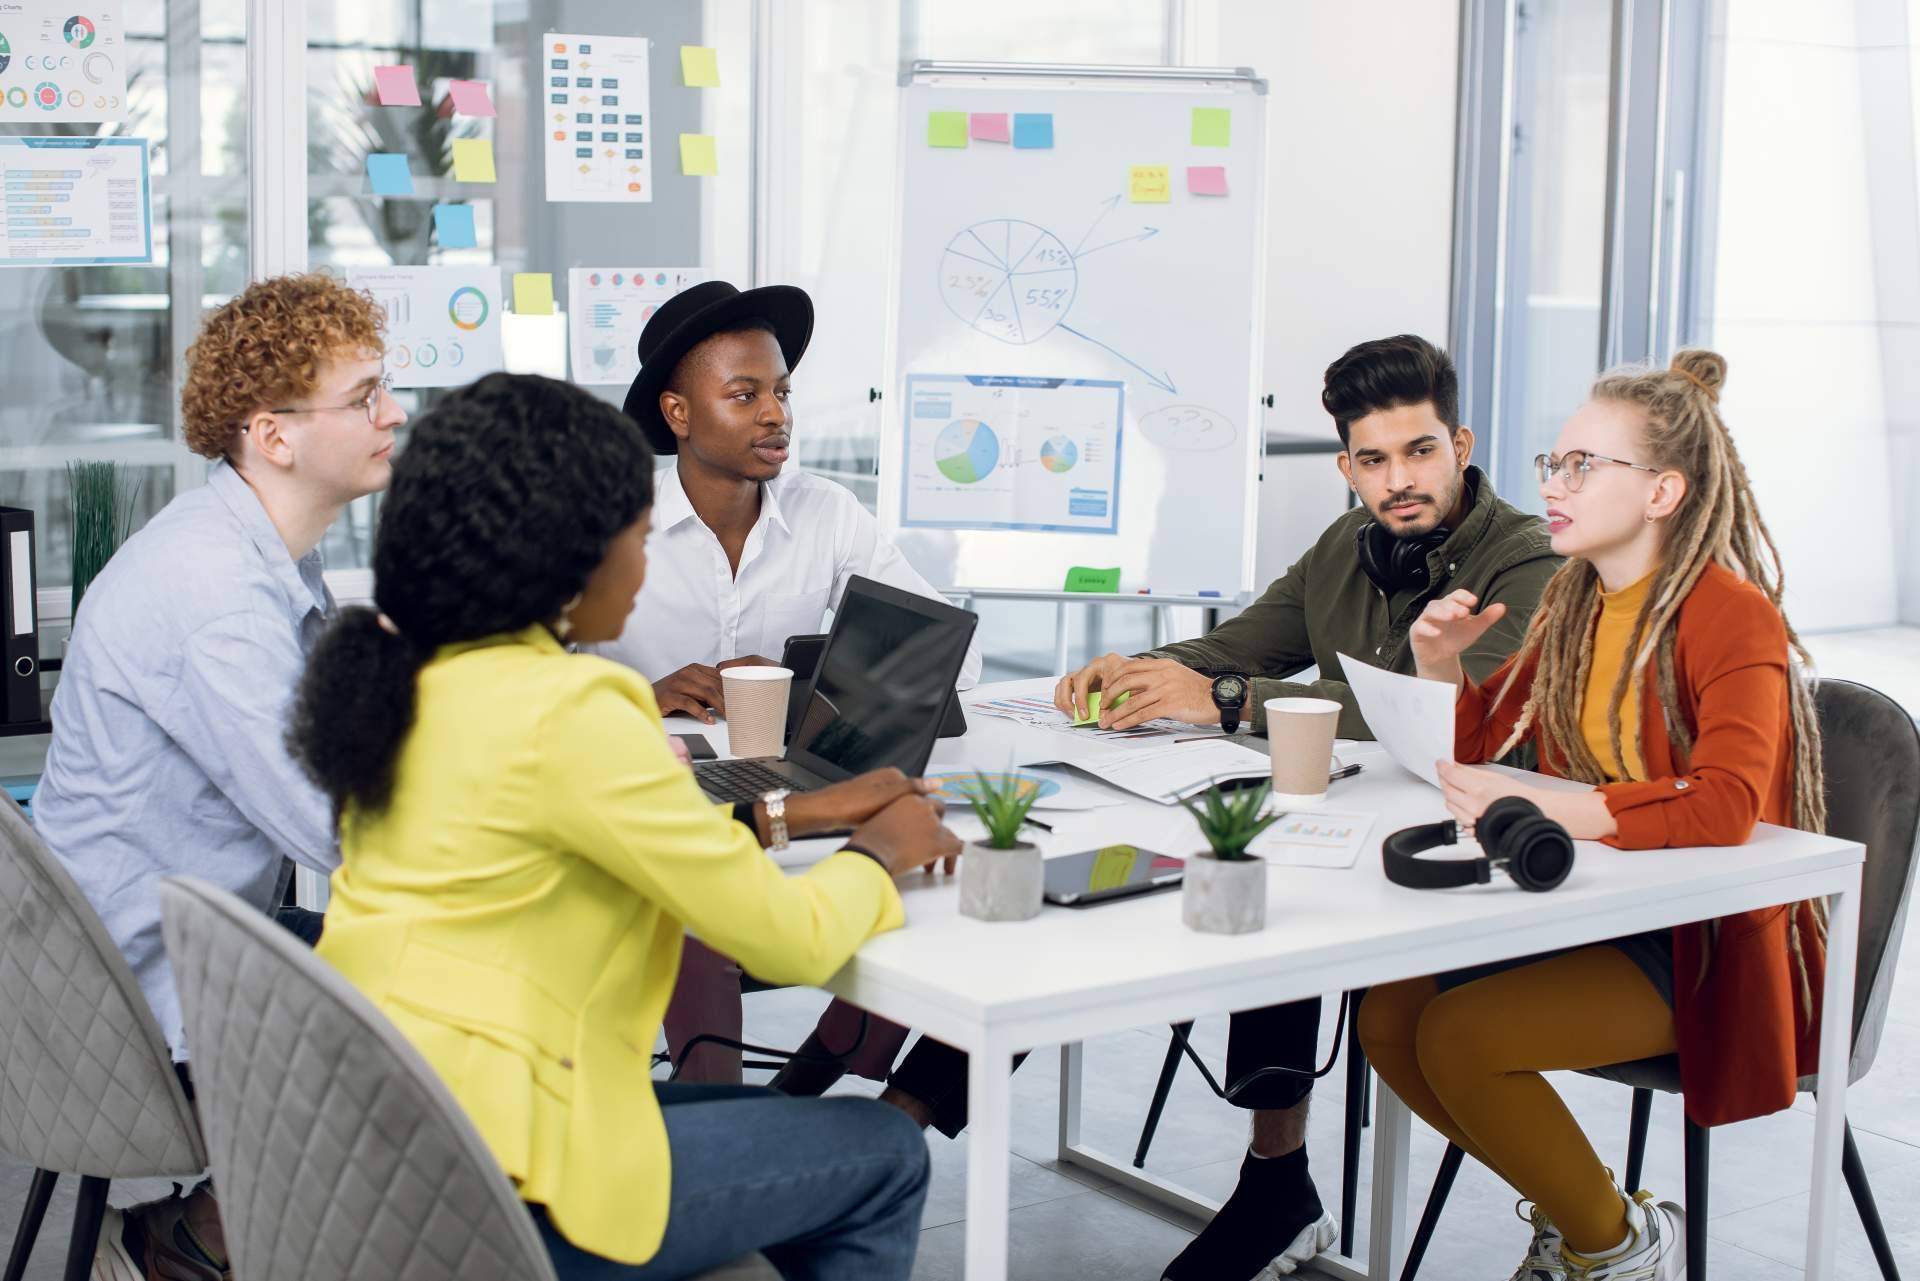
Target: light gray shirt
(169, 723)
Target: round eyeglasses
(368, 404)
(1575, 464)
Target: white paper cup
(1300, 734)
(757, 709)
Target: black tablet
(1116, 871)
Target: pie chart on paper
(966, 451)
(1059, 454)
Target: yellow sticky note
(1150, 185)
(532, 293)
(698, 159)
(699, 67)
(473, 160)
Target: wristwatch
(1230, 696)
(776, 803)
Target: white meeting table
(1070, 975)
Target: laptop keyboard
(736, 781)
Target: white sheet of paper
(610, 306)
(57, 65)
(1411, 718)
(443, 323)
(75, 202)
(1314, 838)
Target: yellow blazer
(518, 911)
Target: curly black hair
(503, 502)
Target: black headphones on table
(1535, 851)
(1398, 564)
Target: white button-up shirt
(811, 537)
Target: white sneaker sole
(1315, 1238)
(111, 1262)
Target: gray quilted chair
(1871, 751)
(87, 1085)
(338, 1153)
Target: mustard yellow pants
(1469, 1061)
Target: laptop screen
(884, 682)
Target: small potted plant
(1002, 878)
(1226, 887)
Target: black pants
(1274, 1036)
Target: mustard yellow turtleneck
(1611, 635)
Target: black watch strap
(851, 848)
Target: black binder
(19, 611)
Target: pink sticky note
(470, 97)
(1206, 180)
(394, 87)
(990, 126)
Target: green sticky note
(699, 67)
(1093, 707)
(946, 128)
(698, 159)
(1082, 579)
(1212, 126)
(532, 293)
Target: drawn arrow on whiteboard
(1106, 207)
(1164, 381)
(1146, 233)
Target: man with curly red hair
(170, 718)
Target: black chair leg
(1430, 1217)
(87, 1214)
(1358, 1078)
(1637, 1139)
(1169, 1066)
(1869, 1212)
(1697, 1148)
(31, 1217)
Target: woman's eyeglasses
(1575, 464)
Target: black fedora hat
(694, 314)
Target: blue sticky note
(389, 173)
(454, 225)
(1033, 129)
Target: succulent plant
(1230, 823)
(1002, 805)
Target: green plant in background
(1002, 806)
(102, 516)
(1231, 823)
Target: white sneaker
(1656, 1249)
(1313, 1239)
(111, 1262)
(1543, 1262)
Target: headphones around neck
(1398, 564)
(1535, 851)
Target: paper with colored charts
(597, 122)
(607, 307)
(61, 62)
(75, 202)
(443, 323)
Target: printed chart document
(1003, 452)
(59, 65)
(608, 307)
(443, 323)
(74, 202)
(599, 133)
(1411, 718)
(1314, 838)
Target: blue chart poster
(75, 202)
(1006, 452)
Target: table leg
(1072, 1067)
(1060, 638)
(989, 1160)
(1387, 1228)
(1826, 1209)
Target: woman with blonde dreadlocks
(1659, 669)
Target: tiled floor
(1069, 1225)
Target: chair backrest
(1871, 751)
(339, 1153)
(87, 1084)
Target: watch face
(1229, 691)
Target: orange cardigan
(1744, 1037)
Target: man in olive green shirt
(1429, 523)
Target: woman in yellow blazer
(523, 852)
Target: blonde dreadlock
(1717, 522)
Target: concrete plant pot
(1001, 885)
(1224, 896)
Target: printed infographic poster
(1002, 452)
(60, 61)
(443, 323)
(75, 202)
(608, 307)
(599, 143)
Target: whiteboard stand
(1162, 607)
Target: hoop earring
(563, 626)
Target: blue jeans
(825, 1188)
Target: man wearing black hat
(744, 554)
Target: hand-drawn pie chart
(1009, 279)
